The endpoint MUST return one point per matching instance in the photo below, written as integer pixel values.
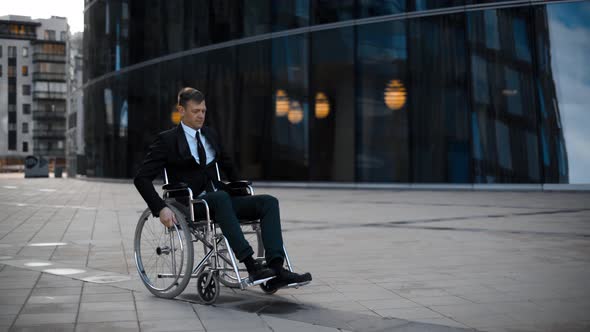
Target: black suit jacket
(170, 150)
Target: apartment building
(33, 88)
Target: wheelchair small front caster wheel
(267, 289)
(208, 287)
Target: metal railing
(49, 133)
(49, 95)
(49, 57)
(39, 115)
(61, 77)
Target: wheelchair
(168, 258)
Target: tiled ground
(494, 261)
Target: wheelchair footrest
(247, 283)
(296, 284)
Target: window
(0, 70)
(26, 108)
(25, 70)
(12, 51)
(0, 51)
(62, 36)
(11, 71)
(26, 90)
(49, 35)
(25, 52)
(25, 127)
(25, 146)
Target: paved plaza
(382, 260)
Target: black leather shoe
(286, 277)
(260, 272)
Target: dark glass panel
(563, 87)
(332, 147)
(11, 140)
(290, 158)
(504, 120)
(106, 36)
(290, 14)
(437, 59)
(146, 116)
(106, 128)
(255, 113)
(328, 11)
(164, 27)
(369, 8)
(419, 5)
(221, 97)
(382, 121)
(225, 20)
(257, 17)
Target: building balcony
(45, 57)
(49, 95)
(49, 133)
(49, 115)
(58, 77)
(49, 152)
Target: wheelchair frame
(208, 270)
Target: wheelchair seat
(175, 186)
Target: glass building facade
(390, 91)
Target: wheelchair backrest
(216, 168)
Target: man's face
(193, 115)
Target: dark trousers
(226, 211)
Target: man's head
(192, 108)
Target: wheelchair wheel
(268, 290)
(163, 256)
(253, 235)
(208, 287)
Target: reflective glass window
(257, 17)
(328, 11)
(563, 45)
(504, 123)
(435, 4)
(255, 113)
(332, 100)
(290, 14)
(370, 8)
(382, 97)
(290, 129)
(437, 58)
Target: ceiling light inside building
(395, 95)
(282, 103)
(295, 112)
(322, 106)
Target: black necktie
(201, 150)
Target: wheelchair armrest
(239, 184)
(175, 186)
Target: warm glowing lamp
(175, 117)
(322, 106)
(395, 95)
(282, 103)
(295, 114)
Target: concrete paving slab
(519, 257)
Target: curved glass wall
(350, 91)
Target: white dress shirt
(192, 143)
(190, 133)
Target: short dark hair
(186, 94)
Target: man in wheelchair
(190, 154)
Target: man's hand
(167, 217)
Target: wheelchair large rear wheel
(253, 235)
(163, 256)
